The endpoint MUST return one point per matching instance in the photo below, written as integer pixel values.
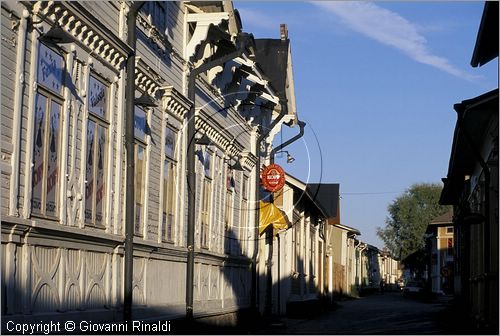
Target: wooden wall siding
(166, 277)
(167, 67)
(7, 80)
(175, 25)
(49, 279)
(108, 13)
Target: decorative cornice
(175, 102)
(203, 22)
(146, 78)
(76, 21)
(214, 133)
(157, 38)
(218, 135)
(248, 160)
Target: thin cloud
(257, 19)
(391, 29)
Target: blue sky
(376, 83)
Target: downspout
(461, 110)
(302, 125)
(130, 169)
(190, 167)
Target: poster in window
(50, 69)
(207, 164)
(167, 199)
(140, 124)
(230, 183)
(38, 151)
(52, 159)
(89, 172)
(169, 142)
(100, 184)
(139, 185)
(98, 99)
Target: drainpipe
(302, 125)
(461, 110)
(190, 163)
(129, 146)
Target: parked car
(414, 287)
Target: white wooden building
(63, 162)
(299, 251)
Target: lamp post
(130, 169)
(243, 44)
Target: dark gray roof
(272, 59)
(328, 196)
(486, 47)
(446, 218)
(476, 115)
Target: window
(228, 213)
(207, 192)
(228, 221)
(297, 220)
(244, 217)
(449, 229)
(48, 106)
(169, 185)
(450, 246)
(156, 12)
(140, 131)
(97, 135)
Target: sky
(376, 83)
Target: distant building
(440, 247)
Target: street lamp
(289, 158)
(56, 35)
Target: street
(390, 313)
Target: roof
(295, 182)
(272, 57)
(446, 218)
(328, 196)
(474, 117)
(348, 229)
(486, 47)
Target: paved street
(390, 313)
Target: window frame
(168, 187)
(138, 144)
(243, 232)
(51, 97)
(206, 200)
(100, 122)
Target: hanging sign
(273, 178)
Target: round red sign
(273, 177)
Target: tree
(409, 215)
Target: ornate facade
(63, 164)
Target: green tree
(409, 215)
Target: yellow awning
(271, 214)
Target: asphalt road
(389, 313)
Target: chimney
(283, 32)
